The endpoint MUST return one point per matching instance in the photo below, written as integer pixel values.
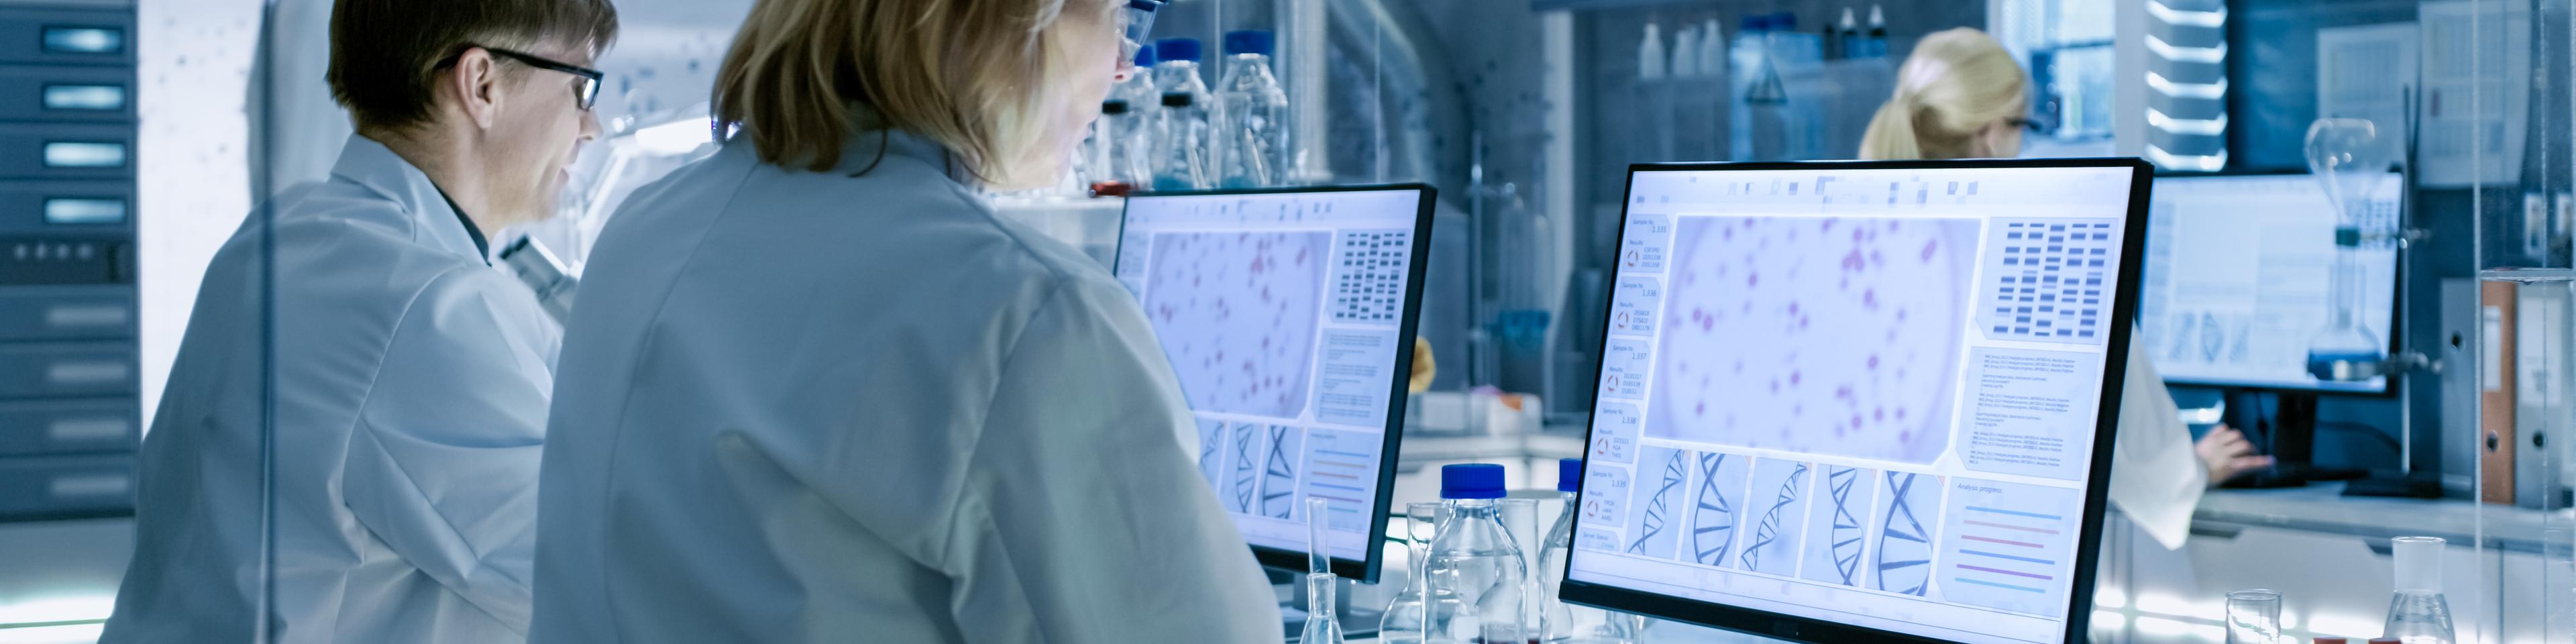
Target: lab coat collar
(869, 136)
(370, 164)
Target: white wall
(194, 59)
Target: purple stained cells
(1831, 326)
(1236, 313)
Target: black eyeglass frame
(587, 95)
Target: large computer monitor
(1289, 317)
(1861, 401)
(2236, 281)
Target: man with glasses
(347, 450)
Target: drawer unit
(67, 313)
(67, 370)
(67, 36)
(69, 412)
(66, 94)
(56, 487)
(39, 427)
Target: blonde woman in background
(1962, 96)
(816, 391)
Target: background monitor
(1289, 317)
(1861, 401)
(2237, 269)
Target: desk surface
(2323, 508)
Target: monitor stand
(2290, 437)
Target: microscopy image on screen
(1236, 313)
(1821, 336)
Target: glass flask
(2348, 158)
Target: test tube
(1319, 559)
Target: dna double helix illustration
(1904, 546)
(1246, 442)
(1279, 474)
(1657, 509)
(1713, 525)
(1846, 533)
(1768, 530)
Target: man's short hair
(386, 54)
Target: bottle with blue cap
(1121, 141)
(1560, 621)
(1253, 147)
(1184, 157)
(1479, 591)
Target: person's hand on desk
(2226, 454)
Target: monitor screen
(1847, 400)
(1288, 316)
(2237, 274)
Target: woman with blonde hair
(1961, 96)
(816, 391)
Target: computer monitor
(1861, 401)
(2237, 274)
(1288, 315)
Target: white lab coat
(2156, 478)
(846, 406)
(409, 405)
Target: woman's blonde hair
(1956, 82)
(805, 75)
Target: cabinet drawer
(38, 427)
(67, 36)
(66, 94)
(66, 370)
(67, 152)
(65, 486)
(67, 313)
(52, 208)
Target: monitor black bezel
(1366, 570)
(1808, 629)
(2397, 294)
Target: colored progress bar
(2000, 571)
(1981, 582)
(2018, 513)
(2024, 544)
(1980, 553)
(2011, 527)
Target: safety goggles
(585, 90)
(1135, 23)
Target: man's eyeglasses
(587, 92)
(1135, 22)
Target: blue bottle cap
(1784, 21)
(1247, 41)
(1569, 474)
(1752, 23)
(1145, 56)
(1171, 49)
(1471, 481)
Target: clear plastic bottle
(1183, 150)
(1479, 579)
(2419, 614)
(1560, 621)
(1255, 149)
(1121, 141)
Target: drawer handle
(84, 154)
(84, 40)
(85, 98)
(85, 315)
(86, 373)
(2216, 530)
(93, 485)
(86, 430)
(63, 211)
